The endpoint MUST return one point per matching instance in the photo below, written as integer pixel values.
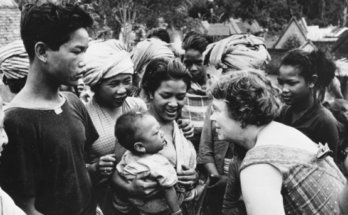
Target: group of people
(160, 134)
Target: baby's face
(151, 135)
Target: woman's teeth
(171, 111)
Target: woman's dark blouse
(317, 123)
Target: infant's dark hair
(126, 129)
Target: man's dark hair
(195, 41)
(162, 34)
(51, 24)
(15, 85)
(126, 129)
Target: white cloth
(185, 152)
(7, 206)
(105, 60)
(156, 166)
(147, 50)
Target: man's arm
(27, 204)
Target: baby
(141, 135)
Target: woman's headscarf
(237, 52)
(105, 60)
(14, 60)
(147, 50)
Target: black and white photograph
(173, 107)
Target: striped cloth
(14, 60)
(197, 102)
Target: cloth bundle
(14, 60)
(105, 60)
(237, 52)
(147, 50)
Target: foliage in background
(292, 42)
(113, 15)
(273, 14)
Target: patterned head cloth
(147, 50)
(237, 52)
(105, 60)
(14, 60)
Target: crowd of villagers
(94, 129)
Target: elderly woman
(109, 75)
(165, 84)
(230, 54)
(283, 171)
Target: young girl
(141, 135)
(301, 76)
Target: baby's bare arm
(171, 198)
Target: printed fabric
(310, 185)
(197, 102)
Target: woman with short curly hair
(283, 171)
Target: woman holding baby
(165, 84)
(109, 74)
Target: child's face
(294, 87)
(151, 135)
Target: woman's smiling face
(227, 128)
(113, 91)
(168, 100)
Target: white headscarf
(14, 60)
(147, 50)
(105, 60)
(237, 52)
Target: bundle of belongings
(237, 52)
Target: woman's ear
(313, 81)
(151, 96)
(41, 51)
(139, 147)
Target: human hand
(187, 177)
(85, 96)
(106, 164)
(187, 127)
(142, 187)
(217, 181)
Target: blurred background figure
(14, 65)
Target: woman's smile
(171, 112)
